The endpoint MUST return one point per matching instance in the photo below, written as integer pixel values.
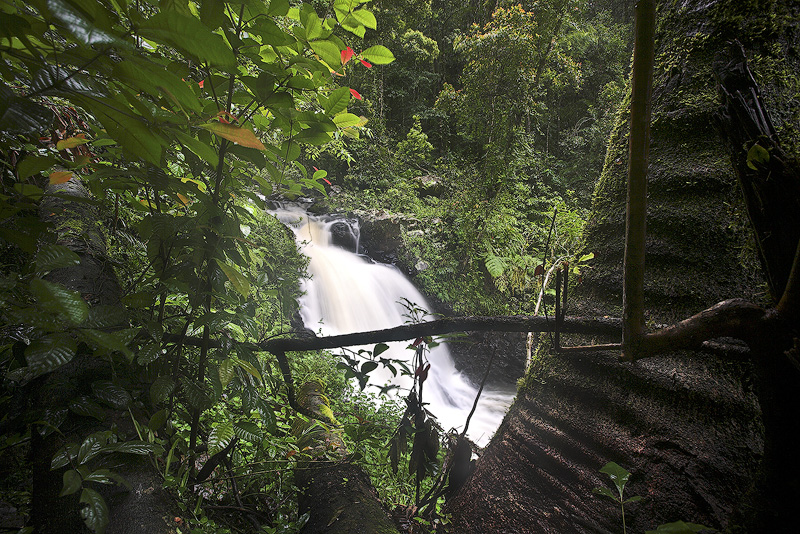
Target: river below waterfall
(348, 293)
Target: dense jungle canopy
(156, 372)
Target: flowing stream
(349, 293)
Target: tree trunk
(687, 425)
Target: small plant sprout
(619, 476)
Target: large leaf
(95, 512)
(72, 483)
(235, 134)
(162, 388)
(337, 101)
(328, 51)
(34, 164)
(237, 280)
(619, 475)
(220, 436)
(226, 371)
(52, 257)
(47, 354)
(378, 54)
(57, 298)
(247, 431)
(200, 149)
(112, 394)
(190, 36)
(156, 80)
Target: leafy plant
(619, 476)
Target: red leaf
(355, 94)
(422, 372)
(327, 181)
(417, 342)
(539, 270)
(200, 83)
(366, 63)
(347, 55)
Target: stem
(638, 148)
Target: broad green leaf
(112, 394)
(338, 101)
(72, 482)
(345, 120)
(189, 35)
(132, 133)
(91, 447)
(235, 134)
(605, 491)
(278, 8)
(64, 456)
(380, 348)
(212, 13)
(237, 280)
(86, 407)
(156, 80)
(105, 340)
(247, 431)
(162, 388)
(313, 136)
(226, 371)
(95, 512)
(267, 416)
(136, 447)
(378, 54)
(71, 142)
(148, 353)
(586, 257)
(158, 420)
(369, 366)
(34, 164)
(619, 475)
(52, 257)
(365, 17)
(220, 436)
(250, 369)
(57, 298)
(757, 155)
(328, 51)
(199, 148)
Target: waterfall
(349, 293)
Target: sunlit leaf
(71, 142)
(378, 54)
(51, 257)
(236, 134)
(60, 177)
(57, 298)
(190, 35)
(237, 280)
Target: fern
(495, 265)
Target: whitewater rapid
(349, 293)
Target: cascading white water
(347, 293)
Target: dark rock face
(382, 238)
(344, 234)
(472, 353)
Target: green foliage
(180, 119)
(619, 476)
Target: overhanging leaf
(237, 280)
(47, 354)
(235, 134)
(52, 257)
(60, 177)
(189, 35)
(95, 512)
(378, 54)
(220, 436)
(57, 298)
